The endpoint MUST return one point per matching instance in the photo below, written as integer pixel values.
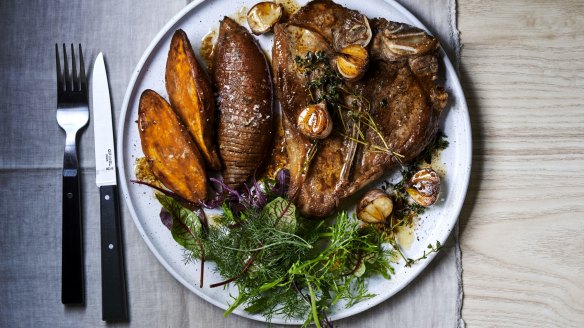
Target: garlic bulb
(352, 62)
(424, 187)
(315, 122)
(374, 207)
(262, 17)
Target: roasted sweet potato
(170, 150)
(245, 100)
(191, 96)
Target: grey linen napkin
(31, 150)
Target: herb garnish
(285, 265)
(408, 261)
(361, 117)
(281, 263)
(324, 82)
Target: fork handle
(72, 276)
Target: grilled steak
(398, 94)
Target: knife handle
(113, 278)
(72, 289)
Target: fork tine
(74, 76)
(66, 72)
(59, 72)
(82, 76)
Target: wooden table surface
(522, 226)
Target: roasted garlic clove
(315, 121)
(374, 207)
(352, 62)
(263, 16)
(424, 187)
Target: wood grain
(522, 227)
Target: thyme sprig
(409, 261)
(326, 84)
(363, 117)
(310, 154)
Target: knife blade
(113, 280)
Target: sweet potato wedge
(191, 96)
(170, 150)
(244, 86)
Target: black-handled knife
(113, 277)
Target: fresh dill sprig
(336, 273)
(283, 264)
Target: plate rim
(137, 72)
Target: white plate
(196, 20)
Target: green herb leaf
(186, 227)
(281, 263)
(284, 213)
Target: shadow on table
(476, 174)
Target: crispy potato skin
(245, 99)
(191, 96)
(173, 157)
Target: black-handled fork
(72, 116)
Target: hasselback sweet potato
(246, 120)
(191, 96)
(171, 153)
